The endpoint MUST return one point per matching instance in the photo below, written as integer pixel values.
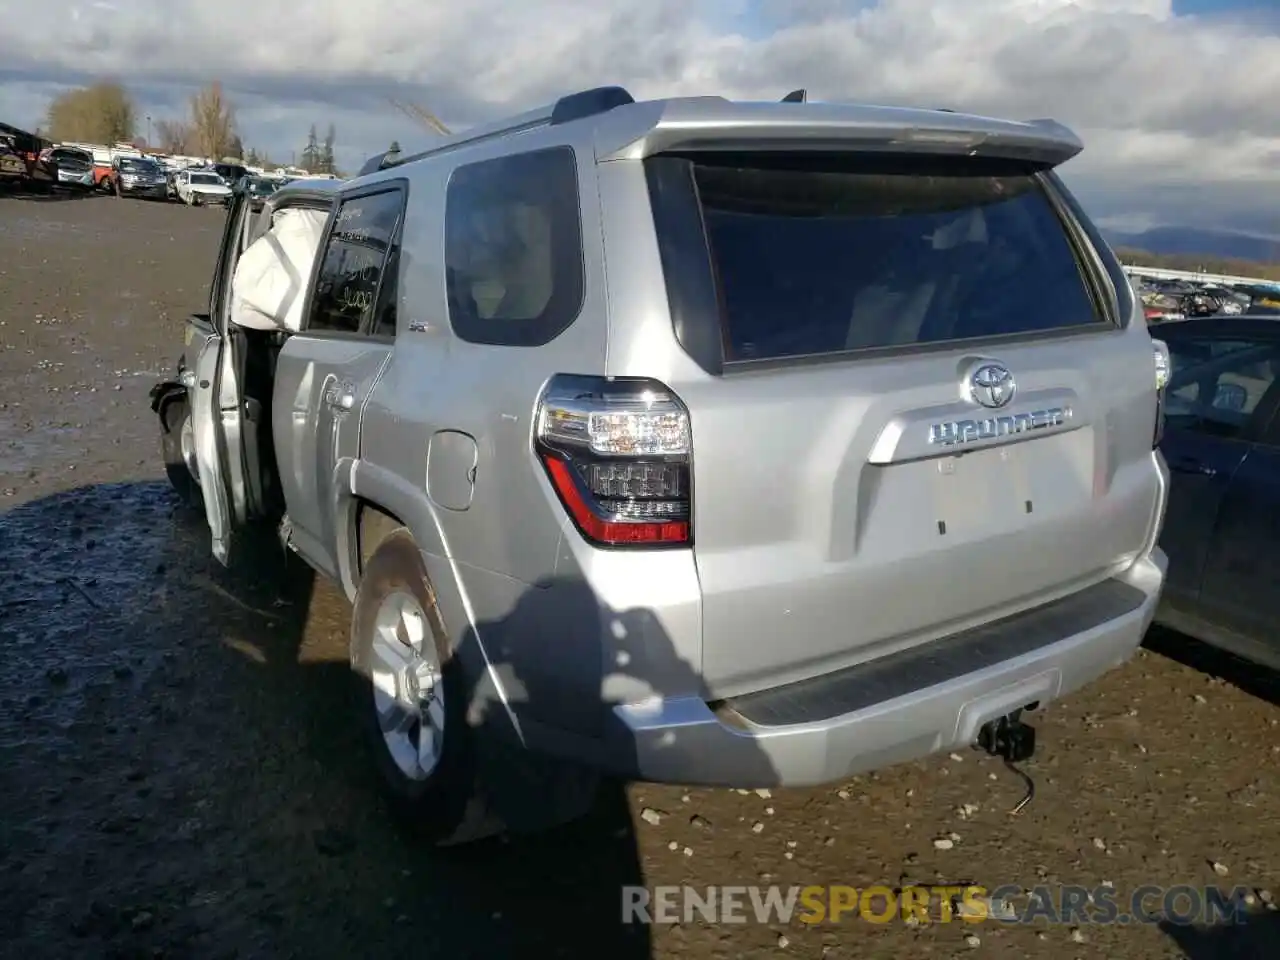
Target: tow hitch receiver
(1012, 741)
(1008, 738)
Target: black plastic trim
(589, 103)
(916, 668)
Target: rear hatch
(926, 408)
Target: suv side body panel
(471, 406)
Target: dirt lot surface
(176, 779)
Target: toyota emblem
(991, 385)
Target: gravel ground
(175, 780)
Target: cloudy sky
(1178, 101)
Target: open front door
(216, 400)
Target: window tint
(513, 248)
(1217, 385)
(816, 257)
(363, 234)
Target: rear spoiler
(716, 124)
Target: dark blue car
(1222, 444)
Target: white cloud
(1162, 101)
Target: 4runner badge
(950, 433)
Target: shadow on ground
(1255, 680)
(1254, 939)
(178, 775)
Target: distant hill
(1219, 244)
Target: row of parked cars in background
(1165, 300)
(147, 177)
(131, 173)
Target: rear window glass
(818, 261)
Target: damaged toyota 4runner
(689, 441)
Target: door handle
(1190, 465)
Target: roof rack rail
(574, 106)
(588, 103)
(379, 161)
(797, 96)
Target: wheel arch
(378, 503)
(371, 502)
(163, 396)
(373, 524)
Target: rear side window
(810, 258)
(362, 241)
(513, 248)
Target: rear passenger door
(1220, 395)
(325, 373)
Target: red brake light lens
(617, 453)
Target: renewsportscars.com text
(1065, 904)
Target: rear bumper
(837, 726)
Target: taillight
(1164, 369)
(617, 452)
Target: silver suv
(694, 441)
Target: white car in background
(198, 187)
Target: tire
(442, 804)
(176, 419)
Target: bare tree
(101, 113)
(173, 136)
(213, 121)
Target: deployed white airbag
(270, 281)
